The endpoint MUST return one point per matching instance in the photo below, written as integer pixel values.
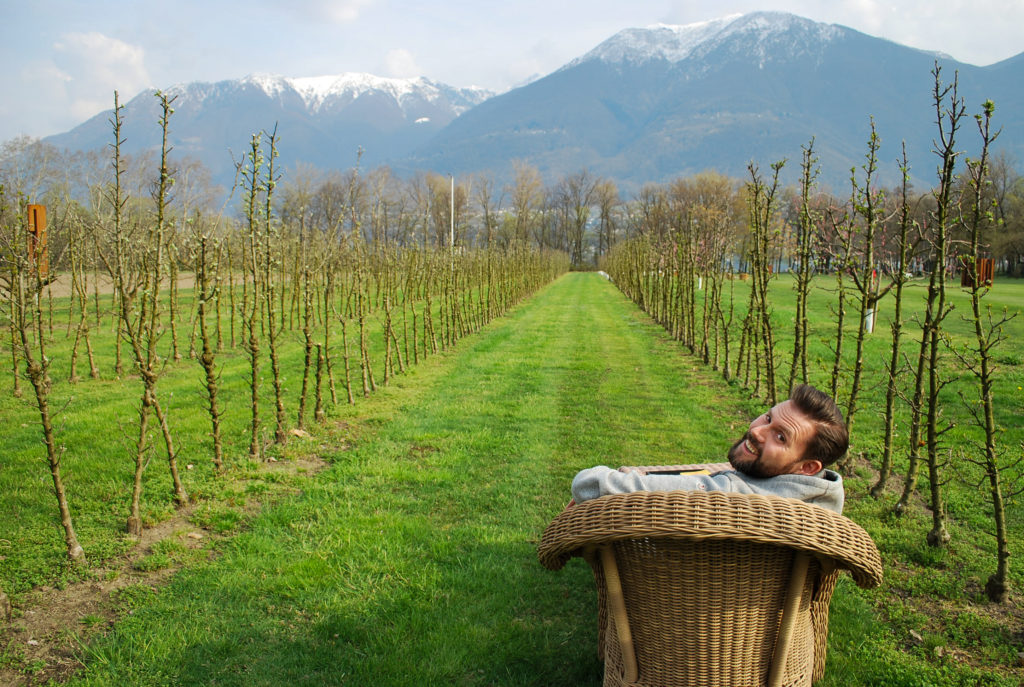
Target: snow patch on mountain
(319, 92)
(755, 33)
(673, 43)
(768, 35)
(271, 84)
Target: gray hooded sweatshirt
(824, 489)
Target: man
(785, 452)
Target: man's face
(775, 443)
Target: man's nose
(758, 432)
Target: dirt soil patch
(60, 287)
(44, 638)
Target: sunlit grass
(411, 560)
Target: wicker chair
(711, 588)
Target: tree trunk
(896, 327)
(948, 120)
(987, 337)
(38, 374)
(207, 359)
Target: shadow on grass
(504, 621)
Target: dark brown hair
(831, 438)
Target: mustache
(747, 436)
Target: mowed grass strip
(412, 560)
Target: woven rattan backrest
(712, 515)
(707, 613)
(704, 578)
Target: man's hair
(831, 437)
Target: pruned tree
(270, 288)
(979, 358)
(841, 223)
(207, 293)
(77, 248)
(252, 182)
(758, 335)
(806, 248)
(868, 208)
(23, 279)
(898, 276)
(135, 265)
(949, 113)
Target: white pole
(869, 315)
(451, 233)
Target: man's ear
(810, 466)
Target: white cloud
(400, 63)
(103, 59)
(70, 83)
(344, 11)
(334, 11)
(90, 66)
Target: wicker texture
(693, 467)
(704, 578)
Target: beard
(749, 466)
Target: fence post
(37, 249)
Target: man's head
(801, 435)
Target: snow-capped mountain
(322, 120)
(767, 35)
(324, 93)
(648, 105)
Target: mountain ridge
(324, 121)
(645, 105)
(752, 88)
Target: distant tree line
(581, 214)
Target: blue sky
(62, 59)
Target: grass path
(412, 560)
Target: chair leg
(617, 609)
(591, 554)
(794, 593)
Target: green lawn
(411, 560)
